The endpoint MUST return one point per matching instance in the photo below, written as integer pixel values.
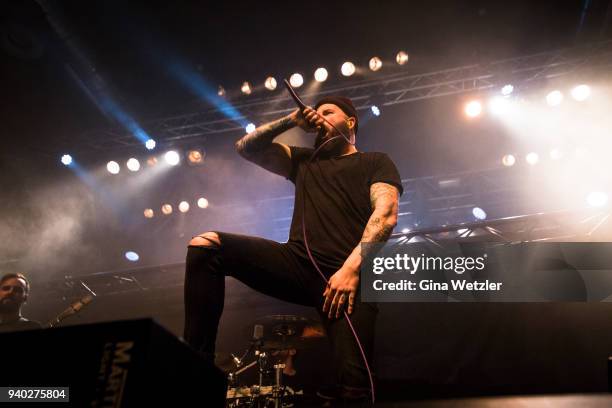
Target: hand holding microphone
(305, 117)
(309, 120)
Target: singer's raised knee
(207, 239)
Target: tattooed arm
(258, 146)
(385, 202)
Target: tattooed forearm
(378, 229)
(385, 203)
(378, 235)
(383, 234)
(384, 199)
(262, 137)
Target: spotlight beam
(398, 88)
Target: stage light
(347, 69)
(479, 213)
(401, 58)
(202, 202)
(508, 160)
(296, 80)
(375, 63)
(221, 91)
(172, 158)
(132, 256)
(246, 88)
(195, 157)
(183, 206)
(375, 110)
(66, 160)
(270, 83)
(150, 144)
(320, 75)
(581, 152)
(113, 167)
(151, 161)
(473, 109)
(554, 98)
(166, 209)
(148, 213)
(507, 89)
(597, 199)
(556, 154)
(133, 164)
(581, 92)
(250, 128)
(532, 158)
(405, 230)
(499, 105)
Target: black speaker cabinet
(133, 363)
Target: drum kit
(275, 341)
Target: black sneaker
(343, 393)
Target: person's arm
(259, 147)
(385, 202)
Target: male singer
(344, 197)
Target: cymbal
(313, 332)
(288, 326)
(298, 343)
(286, 319)
(283, 332)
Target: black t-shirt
(337, 197)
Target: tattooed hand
(309, 120)
(340, 292)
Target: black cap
(343, 103)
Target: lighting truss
(523, 72)
(556, 226)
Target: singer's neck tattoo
(262, 137)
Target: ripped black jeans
(276, 270)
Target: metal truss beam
(523, 72)
(553, 226)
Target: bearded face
(334, 115)
(12, 295)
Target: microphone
(294, 95)
(302, 106)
